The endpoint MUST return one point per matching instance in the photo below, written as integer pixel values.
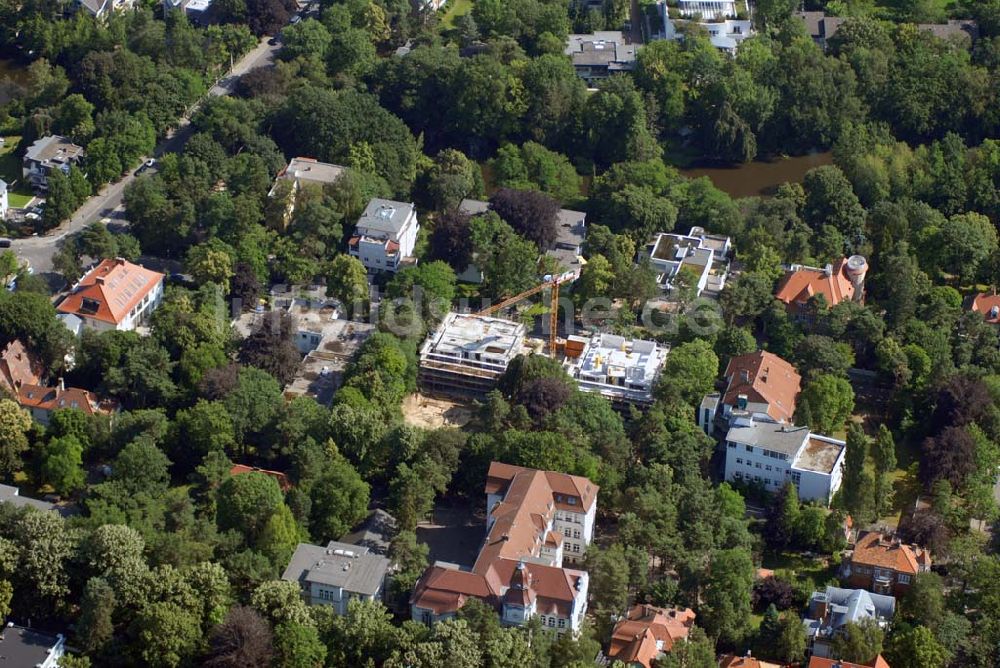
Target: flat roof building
(600, 54)
(702, 259)
(623, 370)
(467, 354)
(385, 235)
(27, 648)
(772, 454)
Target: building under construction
(623, 370)
(466, 355)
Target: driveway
(453, 535)
(108, 202)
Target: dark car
(273, 41)
(4, 243)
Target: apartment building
(760, 385)
(336, 574)
(536, 520)
(772, 454)
(466, 355)
(115, 294)
(385, 235)
(623, 370)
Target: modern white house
(101, 8)
(772, 454)
(727, 22)
(4, 202)
(336, 574)
(385, 235)
(115, 294)
(623, 370)
(24, 647)
(702, 257)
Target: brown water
(760, 177)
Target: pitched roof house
(821, 662)
(46, 154)
(534, 518)
(115, 294)
(335, 574)
(839, 282)
(18, 367)
(746, 661)
(883, 564)
(759, 384)
(831, 610)
(41, 401)
(987, 303)
(647, 632)
(283, 482)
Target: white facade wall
(371, 246)
(4, 203)
(577, 532)
(335, 597)
(136, 316)
(756, 466)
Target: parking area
(453, 535)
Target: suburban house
(883, 564)
(822, 662)
(41, 401)
(987, 303)
(831, 610)
(727, 22)
(337, 573)
(385, 235)
(571, 232)
(623, 370)
(4, 200)
(599, 55)
(193, 9)
(302, 172)
(772, 454)
(46, 154)
(12, 495)
(745, 661)
(760, 384)
(115, 294)
(24, 648)
(101, 8)
(700, 258)
(466, 355)
(647, 633)
(835, 283)
(821, 28)
(283, 482)
(535, 519)
(18, 367)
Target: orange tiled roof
(797, 287)
(111, 290)
(818, 662)
(873, 549)
(564, 486)
(18, 367)
(730, 661)
(54, 398)
(984, 302)
(647, 631)
(283, 482)
(764, 378)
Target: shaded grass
(455, 9)
(18, 195)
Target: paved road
(108, 202)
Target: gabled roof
(764, 378)
(110, 291)
(18, 367)
(647, 631)
(730, 661)
(283, 482)
(442, 590)
(54, 398)
(820, 662)
(874, 549)
(563, 486)
(800, 284)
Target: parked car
(5, 243)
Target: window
(756, 478)
(737, 30)
(767, 481)
(566, 545)
(739, 461)
(748, 448)
(576, 548)
(767, 467)
(562, 623)
(732, 445)
(552, 621)
(904, 578)
(566, 532)
(576, 533)
(738, 475)
(758, 464)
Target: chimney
(62, 384)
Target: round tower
(857, 268)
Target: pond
(760, 177)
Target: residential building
(385, 235)
(115, 294)
(726, 22)
(18, 366)
(46, 154)
(302, 172)
(534, 520)
(821, 662)
(700, 258)
(102, 8)
(571, 233)
(831, 610)
(822, 28)
(375, 533)
(41, 401)
(623, 370)
(24, 648)
(337, 573)
(4, 200)
(883, 564)
(467, 354)
(772, 454)
(819, 26)
(760, 384)
(193, 9)
(965, 31)
(599, 55)
(71, 322)
(12, 495)
(647, 633)
(987, 303)
(283, 482)
(746, 661)
(835, 283)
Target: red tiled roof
(283, 482)
(647, 631)
(564, 486)
(54, 398)
(873, 549)
(818, 662)
(112, 289)
(18, 367)
(764, 378)
(730, 661)
(797, 287)
(984, 303)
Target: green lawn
(10, 171)
(455, 9)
